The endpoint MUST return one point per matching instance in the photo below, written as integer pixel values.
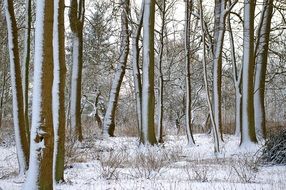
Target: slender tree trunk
(188, 111)
(237, 82)
(109, 124)
(22, 144)
(148, 100)
(211, 112)
(135, 52)
(3, 87)
(262, 48)
(248, 129)
(40, 175)
(76, 17)
(26, 64)
(160, 77)
(219, 25)
(59, 90)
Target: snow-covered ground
(118, 163)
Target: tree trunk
(219, 31)
(261, 53)
(26, 64)
(59, 90)
(135, 51)
(237, 82)
(188, 111)
(109, 124)
(40, 175)
(76, 17)
(211, 112)
(160, 77)
(148, 100)
(22, 144)
(248, 129)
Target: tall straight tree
(162, 8)
(237, 78)
(262, 47)
(76, 17)
(248, 129)
(148, 99)
(135, 52)
(40, 174)
(26, 63)
(59, 90)
(219, 30)
(109, 124)
(188, 111)
(17, 91)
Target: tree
(261, 52)
(248, 129)
(26, 63)
(76, 17)
(160, 101)
(237, 78)
(59, 90)
(219, 30)
(40, 174)
(188, 110)
(148, 100)
(15, 71)
(109, 124)
(135, 55)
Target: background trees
(186, 61)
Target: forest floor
(118, 163)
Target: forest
(142, 94)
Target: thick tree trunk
(17, 91)
(262, 47)
(76, 17)
(109, 124)
(188, 111)
(26, 64)
(40, 175)
(148, 100)
(59, 90)
(248, 129)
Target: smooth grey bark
(148, 100)
(248, 134)
(109, 123)
(262, 50)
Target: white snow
(178, 166)
(56, 83)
